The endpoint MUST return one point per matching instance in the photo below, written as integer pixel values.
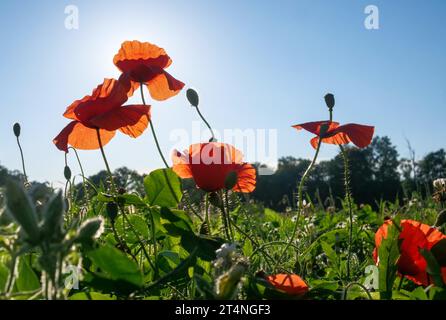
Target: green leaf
(330, 253)
(26, 280)
(4, 273)
(91, 296)
(163, 188)
(53, 217)
(388, 257)
(115, 265)
(433, 268)
(22, 210)
(439, 252)
(205, 246)
(176, 222)
(127, 232)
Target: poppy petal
(360, 135)
(131, 120)
(181, 165)
(246, 179)
(164, 86)
(110, 94)
(289, 283)
(135, 52)
(315, 127)
(81, 137)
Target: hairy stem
(300, 201)
(348, 198)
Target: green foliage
(163, 188)
(388, 255)
(115, 265)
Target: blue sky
(256, 64)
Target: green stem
(228, 217)
(153, 129)
(23, 162)
(207, 212)
(300, 200)
(112, 183)
(350, 206)
(84, 182)
(207, 123)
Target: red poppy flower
(103, 110)
(360, 135)
(292, 284)
(145, 63)
(210, 163)
(414, 236)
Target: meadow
(197, 229)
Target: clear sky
(257, 64)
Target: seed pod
(16, 128)
(231, 180)
(192, 96)
(112, 211)
(329, 100)
(67, 172)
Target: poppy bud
(231, 180)
(112, 211)
(16, 128)
(215, 200)
(329, 100)
(89, 230)
(192, 96)
(67, 172)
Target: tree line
(376, 173)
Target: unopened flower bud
(16, 128)
(329, 100)
(192, 96)
(231, 180)
(67, 173)
(112, 211)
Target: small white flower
(225, 250)
(440, 184)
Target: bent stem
(25, 176)
(348, 197)
(153, 129)
(300, 201)
(84, 182)
(207, 123)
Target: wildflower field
(194, 231)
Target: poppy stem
(25, 177)
(84, 182)
(153, 129)
(348, 197)
(207, 123)
(300, 201)
(112, 183)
